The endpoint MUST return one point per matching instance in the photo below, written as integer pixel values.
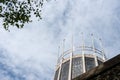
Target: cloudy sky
(31, 53)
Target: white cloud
(34, 48)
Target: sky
(31, 53)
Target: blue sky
(31, 53)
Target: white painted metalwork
(83, 53)
(95, 57)
(103, 52)
(70, 65)
(59, 73)
(90, 57)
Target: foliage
(18, 12)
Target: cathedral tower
(77, 60)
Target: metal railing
(86, 49)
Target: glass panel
(64, 71)
(99, 62)
(89, 63)
(77, 68)
(56, 74)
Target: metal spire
(103, 52)
(70, 65)
(83, 53)
(61, 62)
(63, 45)
(58, 55)
(93, 47)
